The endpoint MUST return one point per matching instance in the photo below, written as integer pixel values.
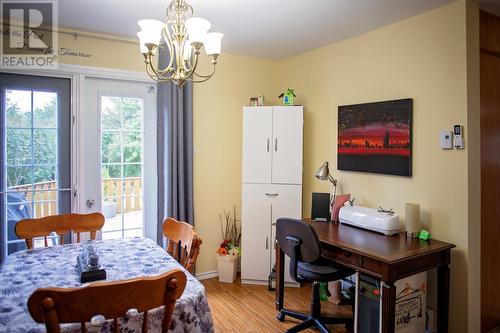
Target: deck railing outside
(44, 195)
(130, 188)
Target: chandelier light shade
(183, 36)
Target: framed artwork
(376, 137)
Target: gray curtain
(175, 151)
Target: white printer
(370, 218)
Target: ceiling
(272, 29)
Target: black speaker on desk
(320, 208)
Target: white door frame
(77, 75)
(96, 88)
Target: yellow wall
(423, 57)
(217, 144)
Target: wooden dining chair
(28, 229)
(112, 300)
(183, 242)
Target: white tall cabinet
(272, 183)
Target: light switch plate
(446, 139)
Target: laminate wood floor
(244, 308)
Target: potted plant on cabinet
(229, 251)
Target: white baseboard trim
(207, 275)
(210, 274)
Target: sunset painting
(376, 137)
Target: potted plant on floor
(229, 251)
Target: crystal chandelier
(183, 37)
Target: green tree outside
(19, 139)
(122, 128)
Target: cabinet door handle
(272, 194)
(275, 144)
(268, 145)
(267, 243)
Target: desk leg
(388, 308)
(280, 277)
(443, 295)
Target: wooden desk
(387, 258)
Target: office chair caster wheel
(281, 316)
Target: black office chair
(300, 242)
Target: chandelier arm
(153, 73)
(192, 63)
(200, 81)
(188, 64)
(169, 68)
(158, 71)
(190, 72)
(170, 48)
(178, 57)
(209, 75)
(152, 68)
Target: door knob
(90, 203)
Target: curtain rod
(100, 37)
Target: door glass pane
(132, 113)
(18, 108)
(121, 166)
(44, 109)
(111, 112)
(44, 146)
(19, 177)
(44, 175)
(132, 171)
(18, 146)
(31, 158)
(132, 143)
(111, 146)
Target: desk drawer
(372, 265)
(342, 256)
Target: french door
(118, 125)
(35, 159)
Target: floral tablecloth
(23, 272)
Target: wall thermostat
(458, 137)
(446, 140)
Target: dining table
(25, 271)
